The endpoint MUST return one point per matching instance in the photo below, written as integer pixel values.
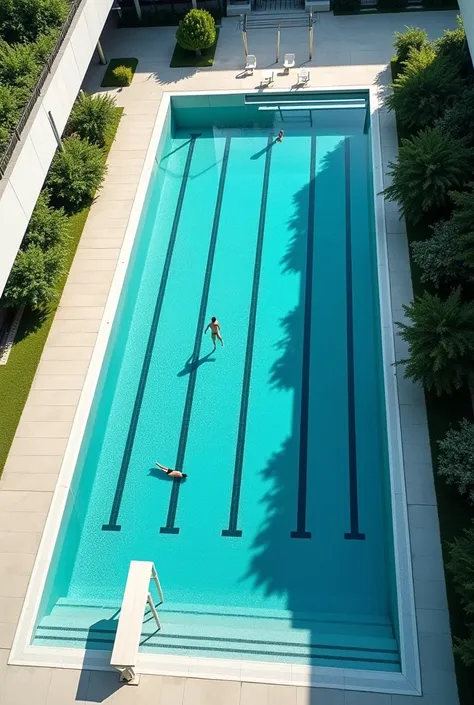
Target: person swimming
(215, 327)
(170, 472)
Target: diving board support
(244, 35)
(129, 629)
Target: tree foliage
(456, 458)
(426, 87)
(463, 221)
(197, 30)
(440, 256)
(75, 174)
(429, 166)
(458, 119)
(91, 117)
(412, 38)
(18, 65)
(453, 46)
(461, 567)
(25, 20)
(440, 339)
(34, 277)
(48, 226)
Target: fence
(28, 109)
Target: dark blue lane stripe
(301, 532)
(244, 402)
(354, 533)
(170, 527)
(132, 430)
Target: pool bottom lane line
(170, 527)
(301, 532)
(112, 524)
(354, 534)
(232, 529)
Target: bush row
(75, 174)
(28, 30)
(433, 97)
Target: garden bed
(182, 58)
(17, 376)
(109, 80)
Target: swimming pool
(279, 545)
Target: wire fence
(8, 150)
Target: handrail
(136, 596)
(28, 109)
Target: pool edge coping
(313, 676)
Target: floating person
(281, 134)
(170, 472)
(215, 327)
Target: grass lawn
(17, 375)
(183, 58)
(455, 514)
(109, 80)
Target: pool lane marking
(354, 533)
(232, 530)
(301, 532)
(132, 430)
(170, 527)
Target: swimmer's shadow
(192, 365)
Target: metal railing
(28, 109)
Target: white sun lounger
(289, 62)
(303, 76)
(250, 63)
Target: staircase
(254, 634)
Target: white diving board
(136, 597)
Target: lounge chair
(250, 63)
(267, 78)
(303, 76)
(289, 62)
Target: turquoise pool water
(278, 545)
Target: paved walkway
(349, 51)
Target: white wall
(467, 12)
(20, 187)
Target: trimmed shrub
(75, 174)
(458, 119)
(461, 567)
(453, 46)
(196, 31)
(413, 38)
(123, 75)
(34, 277)
(440, 341)
(429, 166)
(18, 65)
(456, 458)
(48, 226)
(439, 257)
(25, 20)
(91, 117)
(426, 87)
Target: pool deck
(341, 58)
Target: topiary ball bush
(123, 75)
(75, 174)
(196, 31)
